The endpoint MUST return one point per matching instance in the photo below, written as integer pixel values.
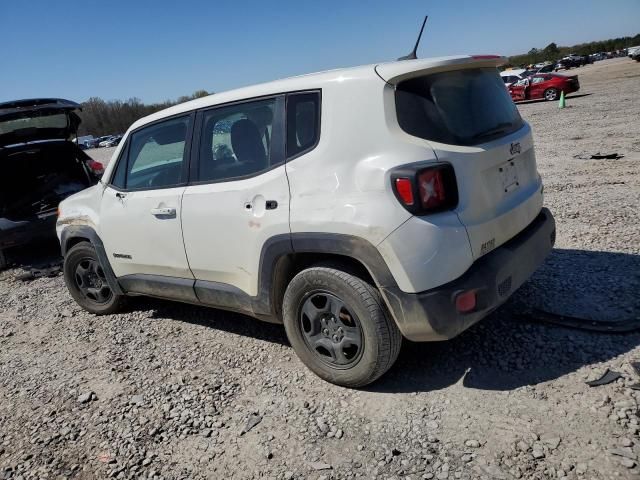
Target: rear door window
(303, 122)
(238, 141)
(462, 107)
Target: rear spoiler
(395, 72)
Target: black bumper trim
(431, 315)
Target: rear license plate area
(509, 176)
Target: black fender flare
(350, 246)
(85, 232)
(282, 246)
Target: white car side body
(340, 187)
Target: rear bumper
(13, 234)
(572, 88)
(432, 315)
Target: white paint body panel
(224, 237)
(155, 244)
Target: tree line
(101, 117)
(553, 52)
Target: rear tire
(3, 260)
(87, 283)
(339, 327)
(551, 94)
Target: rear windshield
(463, 107)
(57, 120)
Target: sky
(162, 49)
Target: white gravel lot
(165, 390)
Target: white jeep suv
(356, 206)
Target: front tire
(87, 283)
(339, 327)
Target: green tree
(100, 117)
(551, 51)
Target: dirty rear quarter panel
(342, 186)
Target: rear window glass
(303, 122)
(58, 120)
(464, 107)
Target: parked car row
(538, 84)
(543, 86)
(572, 60)
(89, 141)
(510, 77)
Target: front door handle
(163, 212)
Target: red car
(545, 86)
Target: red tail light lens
(425, 190)
(431, 187)
(96, 167)
(404, 187)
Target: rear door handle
(164, 212)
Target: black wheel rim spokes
(331, 330)
(91, 281)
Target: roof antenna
(412, 55)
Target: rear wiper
(498, 129)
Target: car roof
(316, 80)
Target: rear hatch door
(23, 121)
(461, 109)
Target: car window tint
(303, 122)
(157, 155)
(236, 141)
(460, 107)
(119, 176)
(537, 80)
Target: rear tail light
(404, 187)
(96, 167)
(425, 190)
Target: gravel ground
(173, 391)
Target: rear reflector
(405, 190)
(466, 301)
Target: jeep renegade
(356, 206)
